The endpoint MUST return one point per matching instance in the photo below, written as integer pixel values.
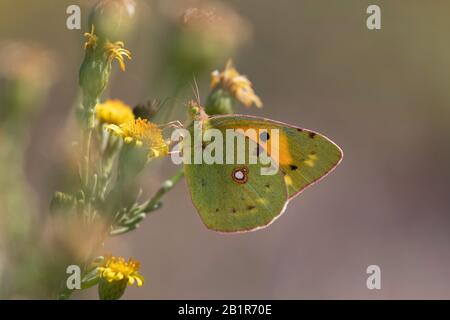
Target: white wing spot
(239, 175)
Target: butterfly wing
(304, 156)
(235, 197)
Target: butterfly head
(196, 112)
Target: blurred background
(383, 96)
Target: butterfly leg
(172, 124)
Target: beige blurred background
(383, 96)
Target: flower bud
(96, 70)
(219, 102)
(94, 76)
(113, 19)
(147, 110)
(27, 72)
(203, 37)
(227, 88)
(111, 290)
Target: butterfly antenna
(196, 91)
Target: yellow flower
(91, 39)
(113, 50)
(96, 67)
(117, 269)
(143, 133)
(238, 85)
(113, 112)
(116, 50)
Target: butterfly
(236, 197)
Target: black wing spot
(312, 135)
(233, 210)
(293, 167)
(217, 210)
(268, 186)
(250, 207)
(264, 136)
(299, 130)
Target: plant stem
(87, 127)
(87, 123)
(154, 203)
(87, 137)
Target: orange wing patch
(284, 155)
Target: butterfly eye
(264, 136)
(240, 175)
